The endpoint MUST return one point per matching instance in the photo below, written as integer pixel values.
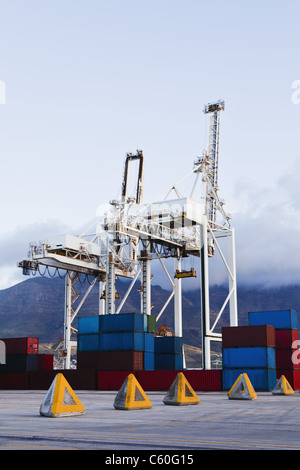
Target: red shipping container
(287, 358)
(87, 359)
(14, 381)
(111, 379)
(45, 362)
(248, 336)
(78, 379)
(41, 379)
(161, 380)
(292, 376)
(24, 345)
(285, 339)
(110, 360)
(81, 379)
(205, 380)
(158, 380)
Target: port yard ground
(268, 423)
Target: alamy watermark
(2, 92)
(296, 352)
(2, 352)
(296, 94)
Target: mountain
(35, 307)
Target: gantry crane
(127, 238)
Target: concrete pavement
(269, 422)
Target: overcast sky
(85, 82)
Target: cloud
(267, 224)
(266, 220)
(14, 247)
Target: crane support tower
(127, 238)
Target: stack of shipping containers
(116, 342)
(250, 350)
(22, 359)
(286, 341)
(168, 353)
(21, 354)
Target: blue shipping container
(168, 344)
(248, 357)
(125, 341)
(261, 379)
(123, 322)
(149, 342)
(88, 325)
(168, 361)
(148, 360)
(280, 319)
(88, 342)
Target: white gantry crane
(131, 234)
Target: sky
(84, 82)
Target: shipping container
(111, 380)
(124, 322)
(148, 360)
(284, 339)
(89, 325)
(78, 379)
(41, 379)
(262, 379)
(287, 358)
(14, 381)
(19, 363)
(26, 345)
(151, 323)
(168, 361)
(248, 357)
(280, 319)
(119, 360)
(87, 359)
(88, 342)
(81, 379)
(248, 336)
(168, 344)
(149, 342)
(292, 376)
(200, 380)
(45, 361)
(205, 380)
(128, 341)
(156, 380)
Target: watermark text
(2, 92)
(2, 352)
(296, 94)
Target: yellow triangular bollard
(131, 396)
(282, 387)
(60, 400)
(181, 392)
(242, 389)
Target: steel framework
(125, 240)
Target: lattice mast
(211, 156)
